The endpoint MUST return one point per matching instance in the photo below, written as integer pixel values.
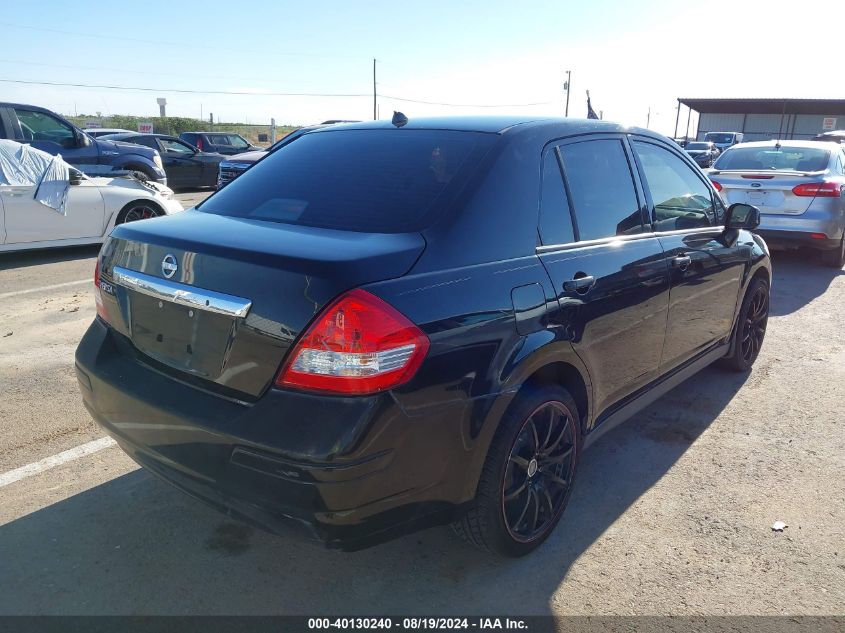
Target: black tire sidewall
(121, 216)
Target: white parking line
(55, 460)
(15, 293)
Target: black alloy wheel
(527, 478)
(539, 472)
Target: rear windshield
(719, 137)
(697, 146)
(235, 140)
(783, 158)
(380, 181)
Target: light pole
(566, 87)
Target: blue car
(52, 133)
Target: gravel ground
(671, 513)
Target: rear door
(705, 272)
(608, 270)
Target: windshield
(768, 158)
(698, 146)
(719, 137)
(380, 181)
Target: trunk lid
(241, 290)
(771, 191)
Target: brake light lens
(199, 143)
(358, 345)
(98, 297)
(717, 185)
(818, 190)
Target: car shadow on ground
(135, 545)
(24, 259)
(798, 277)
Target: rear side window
(681, 199)
(602, 189)
(380, 181)
(555, 218)
(229, 140)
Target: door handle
(579, 284)
(682, 262)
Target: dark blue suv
(54, 134)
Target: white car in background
(44, 202)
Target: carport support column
(689, 116)
(677, 117)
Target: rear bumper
(349, 472)
(796, 239)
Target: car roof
(509, 125)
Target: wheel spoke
(551, 477)
(536, 511)
(522, 514)
(549, 431)
(520, 489)
(520, 461)
(549, 501)
(534, 434)
(557, 459)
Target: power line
(250, 93)
(273, 94)
(469, 105)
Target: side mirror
(82, 139)
(75, 177)
(742, 216)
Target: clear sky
(632, 56)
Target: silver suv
(799, 187)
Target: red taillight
(357, 345)
(818, 190)
(98, 297)
(818, 236)
(717, 185)
(199, 143)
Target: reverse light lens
(358, 345)
(818, 190)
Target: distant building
(763, 119)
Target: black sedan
(392, 325)
(185, 165)
(704, 153)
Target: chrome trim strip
(182, 294)
(549, 248)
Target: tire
(750, 328)
(138, 210)
(493, 522)
(836, 257)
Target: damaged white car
(45, 202)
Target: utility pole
(375, 105)
(677, 117)
(648, 118)
(566, 87)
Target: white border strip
(55, 460)
(15, 293)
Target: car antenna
(399, 119)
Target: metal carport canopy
(766, 106)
